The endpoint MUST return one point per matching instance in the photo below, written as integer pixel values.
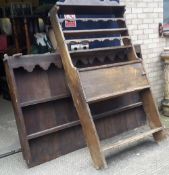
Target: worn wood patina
(104, 77)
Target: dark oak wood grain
(45, 112)
(115, 81)
(98, 79)
(64, 101)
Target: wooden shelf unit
(104, 76)
(43, 106)
(45, 113)
(48, 118)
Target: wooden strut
(82, 107)
(28, 45)
(81, 98)
(15, 36)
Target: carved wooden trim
(90, 59)
(30, 62)
(95, 19)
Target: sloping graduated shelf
(107, 68)
(53, 95)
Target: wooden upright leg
(28, 45)
(78, 96)
(88, 126)
(15, 36)
(152, 114)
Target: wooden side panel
(18, 113)
(113, 81)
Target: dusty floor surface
(147, 158)
(143, 158)
(165, 121)
(9, 140)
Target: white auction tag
(70, 21)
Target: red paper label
(70, 21)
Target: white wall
(143, 18)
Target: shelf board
(72, 5)
(53, 130)
(94, 31)
(89, 51)
(117, 94)
(35, 102)
(109, 65)
(76, 123)
(69, 41)
(87, 5)
(118, 110)
(131, 139)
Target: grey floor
(147, 158)
(9, 140)
(143, 158)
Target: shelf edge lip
(69, 41)
(109, 65)
(100, 49)
(95, 19)
(109, 96)
(52, 130)
(113, 5)
(94, 30)
(132, 139)
(36, 102)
